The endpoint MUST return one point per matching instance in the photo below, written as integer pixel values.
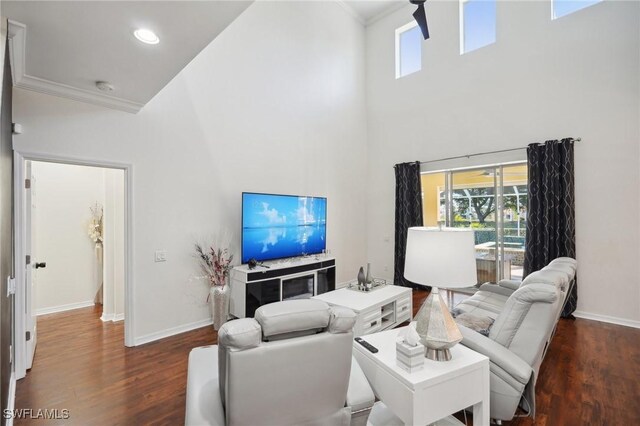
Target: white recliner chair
(526, 314)
(291, 365)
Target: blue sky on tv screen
(277, 226)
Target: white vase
(99, 274)
(219, 304)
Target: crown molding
(386, 12)
(351, 11)
(17, 33)
(366, 22)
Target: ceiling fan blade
(421, 18)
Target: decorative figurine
(361, 279)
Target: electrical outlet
(161, 256)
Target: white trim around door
(20, 324)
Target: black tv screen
(279, 226)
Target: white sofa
(525, 317)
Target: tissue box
(409, 358)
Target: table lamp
(439, 257)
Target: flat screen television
(279, 226)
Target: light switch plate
(161, 256)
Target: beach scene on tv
(279, 226)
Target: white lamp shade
(441, 257)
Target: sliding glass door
(490, 200)
(514, 216)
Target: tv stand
(295, 278)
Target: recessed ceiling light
(146, 36)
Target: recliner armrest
(204, 403)
(496, 289)
(510, 284)
(359, 394)
(498, 354)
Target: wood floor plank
(591, 375)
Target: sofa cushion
(558, 279)
(484, 303)
(463, 307)
(497, 289)
(510, 284)
(517, 308)
(563, 268)
(341, 320)
(481, 324)
(293, 316)
(240, 334)
(567, 261)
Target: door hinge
(28, 336)
(28, 259)
(27, 183)
(11, 286)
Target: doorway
(72, 230)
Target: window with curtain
(490, 199)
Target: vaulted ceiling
(64, 48)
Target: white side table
(376, 310)
(440, 389)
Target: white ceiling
(69, 45)
(64, 47)
(370, 10)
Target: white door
(30, 271)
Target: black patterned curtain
(408, 214)
(551, 209)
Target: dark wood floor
(590, 377)
(81, 365)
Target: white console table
(376, 310)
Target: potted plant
(215, 263)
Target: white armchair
(292, 364)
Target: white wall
(577, 76)
(114, 245)
(62, 195)
(275, 104)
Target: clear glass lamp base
(438, 354)
(436, 327)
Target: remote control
(367, 345)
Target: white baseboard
(62, 308)
(11, 398)
(607, 318)
(151, 337)
(111, 317)
(107, 317)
